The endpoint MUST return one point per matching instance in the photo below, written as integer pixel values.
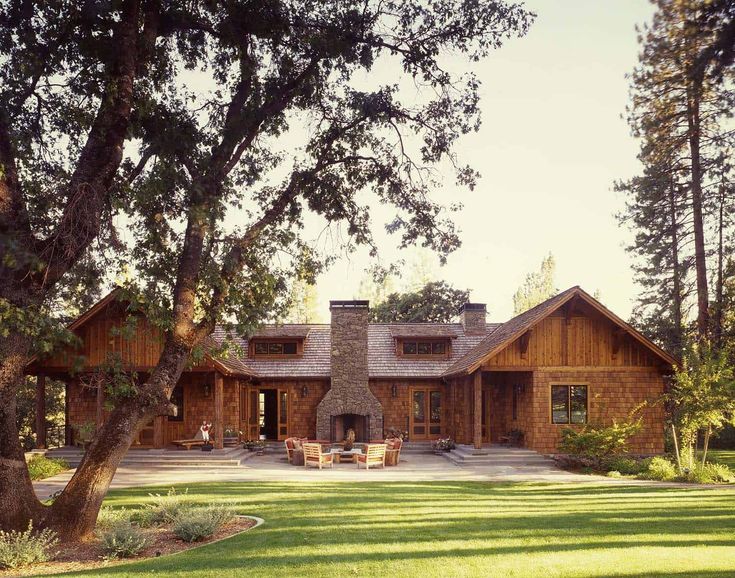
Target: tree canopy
(537, 287)
(437, 301)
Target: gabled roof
(511, 330)
(429, 330)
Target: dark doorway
(360, 424)
(269, 413)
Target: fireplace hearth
(360, 424)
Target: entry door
(252, 413)
(282, 414)
(426, 413)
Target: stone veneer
(472, 316)
(350, 392)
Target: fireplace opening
(346, 421)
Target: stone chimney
(349, 400)
(472, 317)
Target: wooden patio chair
(197, 440)
(289, 449)
(373, 455)
(393, 451)
(314, 456)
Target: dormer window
(275, 348)
(423, 347)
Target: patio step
(497, 456)
(229, 457)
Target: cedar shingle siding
(568, 339)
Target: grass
(457, 529)
(726, 457)
(41, 467)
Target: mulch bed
(89, 555)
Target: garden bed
(90, 556)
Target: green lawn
(458, 529)
(726, 457)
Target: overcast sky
(551, 145)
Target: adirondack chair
(373, 455)
(314, 456)
(190, 443)
(393, 451)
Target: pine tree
(537, 287)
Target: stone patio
(499, 464)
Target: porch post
(219, 434)
(41, 411)
(68, 434)
(100, 414)
(158, 425)
(477, 405)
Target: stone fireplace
(360, 424)
(349, 399)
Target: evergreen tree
(437, 301)
(537, 287)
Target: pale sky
(551, 145)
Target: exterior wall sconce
(207, 390)
(394, 390)
(304, 391)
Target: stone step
(497, 456)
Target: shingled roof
(511, 330)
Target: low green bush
(709, 473)
(599, 442)
(164, 509)
(41, 467)
(110, 516)
(661, 469)
(614, 474)
(122, 539)
(627, 466)
(199, 523)
(23, 548)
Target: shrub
(40, 467)
(598, 442)
(122, 540)
(660, 469)
(614, 474)
(109, 517)
(625, 465)
(24, 548)
(165, 509)
(709, 474)
(200, 523)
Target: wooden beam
(523, 342)
(100, 413)
(617, 341)
(477, 409)
(159, 423)
(41, 411)
(219, 433)
(68, 434)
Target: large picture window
(569, 404)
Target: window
(424, 347)
(177, 399)
(279, 348)
(568, 404)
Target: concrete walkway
(414, 467)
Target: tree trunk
(705, 447)
(18, 502)
(700, 256)
(81, 499)
(720, 272)
(676, 447)
(677, 297)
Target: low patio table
(347, 456)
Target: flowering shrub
(443, 445)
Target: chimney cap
(473, 307)
(349, 304)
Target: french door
(426, 413)
(258, 414)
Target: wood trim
(41, 411)
(572, 368)
(219, 424)
(578, 293)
